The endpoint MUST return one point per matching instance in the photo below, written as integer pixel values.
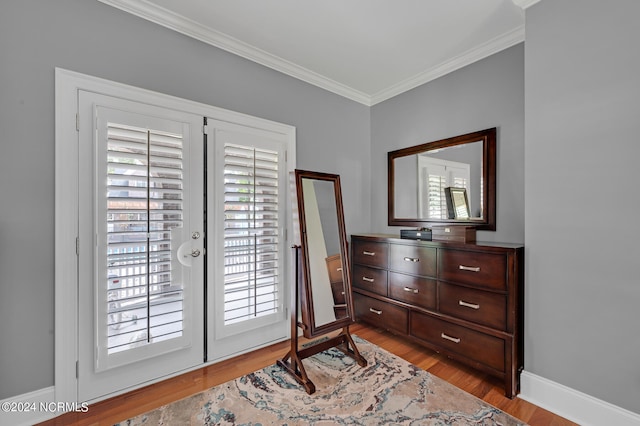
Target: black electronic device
(423, 234)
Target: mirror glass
(325, 294)
(446, 181)
(323, 245)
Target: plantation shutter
(144, 185)
(251, 233)
(437, 203)
(459, 182)
(436, 175)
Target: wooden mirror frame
(488, 219)
(311, 329)
(302, 294)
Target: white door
(249, 255)
(141, 250)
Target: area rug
(388, 391)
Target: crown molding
(482, 51)
(166, 18)
(188, 27)
(524, 4)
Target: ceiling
(365, 50)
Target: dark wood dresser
(463, 300)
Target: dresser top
(396, 239)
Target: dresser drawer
(485, 349)
(334, 267)
(479, 306)
(337, 291)
(488, 270)
(370, 279)
(414, 290)
(413, 259)
(381, 314)
(370, 253)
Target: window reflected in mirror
(423, 178)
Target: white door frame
(67, 85)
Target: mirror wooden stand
(321, 300)
(292, 361)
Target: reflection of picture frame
(457, 203)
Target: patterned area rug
(388, 391)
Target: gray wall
(582, 86)
(333, 136)
(582, 150)
(488, 93)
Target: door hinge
(77, 369)
(205, 129)
(77, 246)
(77, 122)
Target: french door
(140, 245)
(171, 242)
(248, 190)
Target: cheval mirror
(321, 292)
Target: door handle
(186, 253)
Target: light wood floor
(142, 400)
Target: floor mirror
(321, 292)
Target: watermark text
(44, 407)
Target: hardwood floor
(142, 400)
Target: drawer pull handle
(369, 253)
(338, 269)
(367, 279)
(375, 311)
(408, 289)
(412, 259)
(468, 305)
(452, 339)
(469, 268)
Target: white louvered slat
(250, 233)
(436, 197)
(144, 191)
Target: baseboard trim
(572, 404)
(29, 408)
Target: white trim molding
(525, 4)
(188, 27)
(572, 404)
(497, 44)
(161, 16)
(30, 408)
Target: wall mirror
(425, 182)
(322, 294)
